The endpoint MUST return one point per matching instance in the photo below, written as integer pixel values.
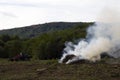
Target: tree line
(46, 46)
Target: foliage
(48, 45)
(13, 47)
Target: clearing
(52, 70)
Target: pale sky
(19, 13)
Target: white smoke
(103, 36)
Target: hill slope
(35, 30)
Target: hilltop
(38, 29)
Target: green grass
(52, 70)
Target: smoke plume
(102, 37)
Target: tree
(5, 38)
(13, 47)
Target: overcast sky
(18, 13)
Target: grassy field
(52, 70)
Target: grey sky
(18, 13)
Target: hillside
(48, 45)
(35, 30)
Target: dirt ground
(52, 70)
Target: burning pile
(101, 38)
